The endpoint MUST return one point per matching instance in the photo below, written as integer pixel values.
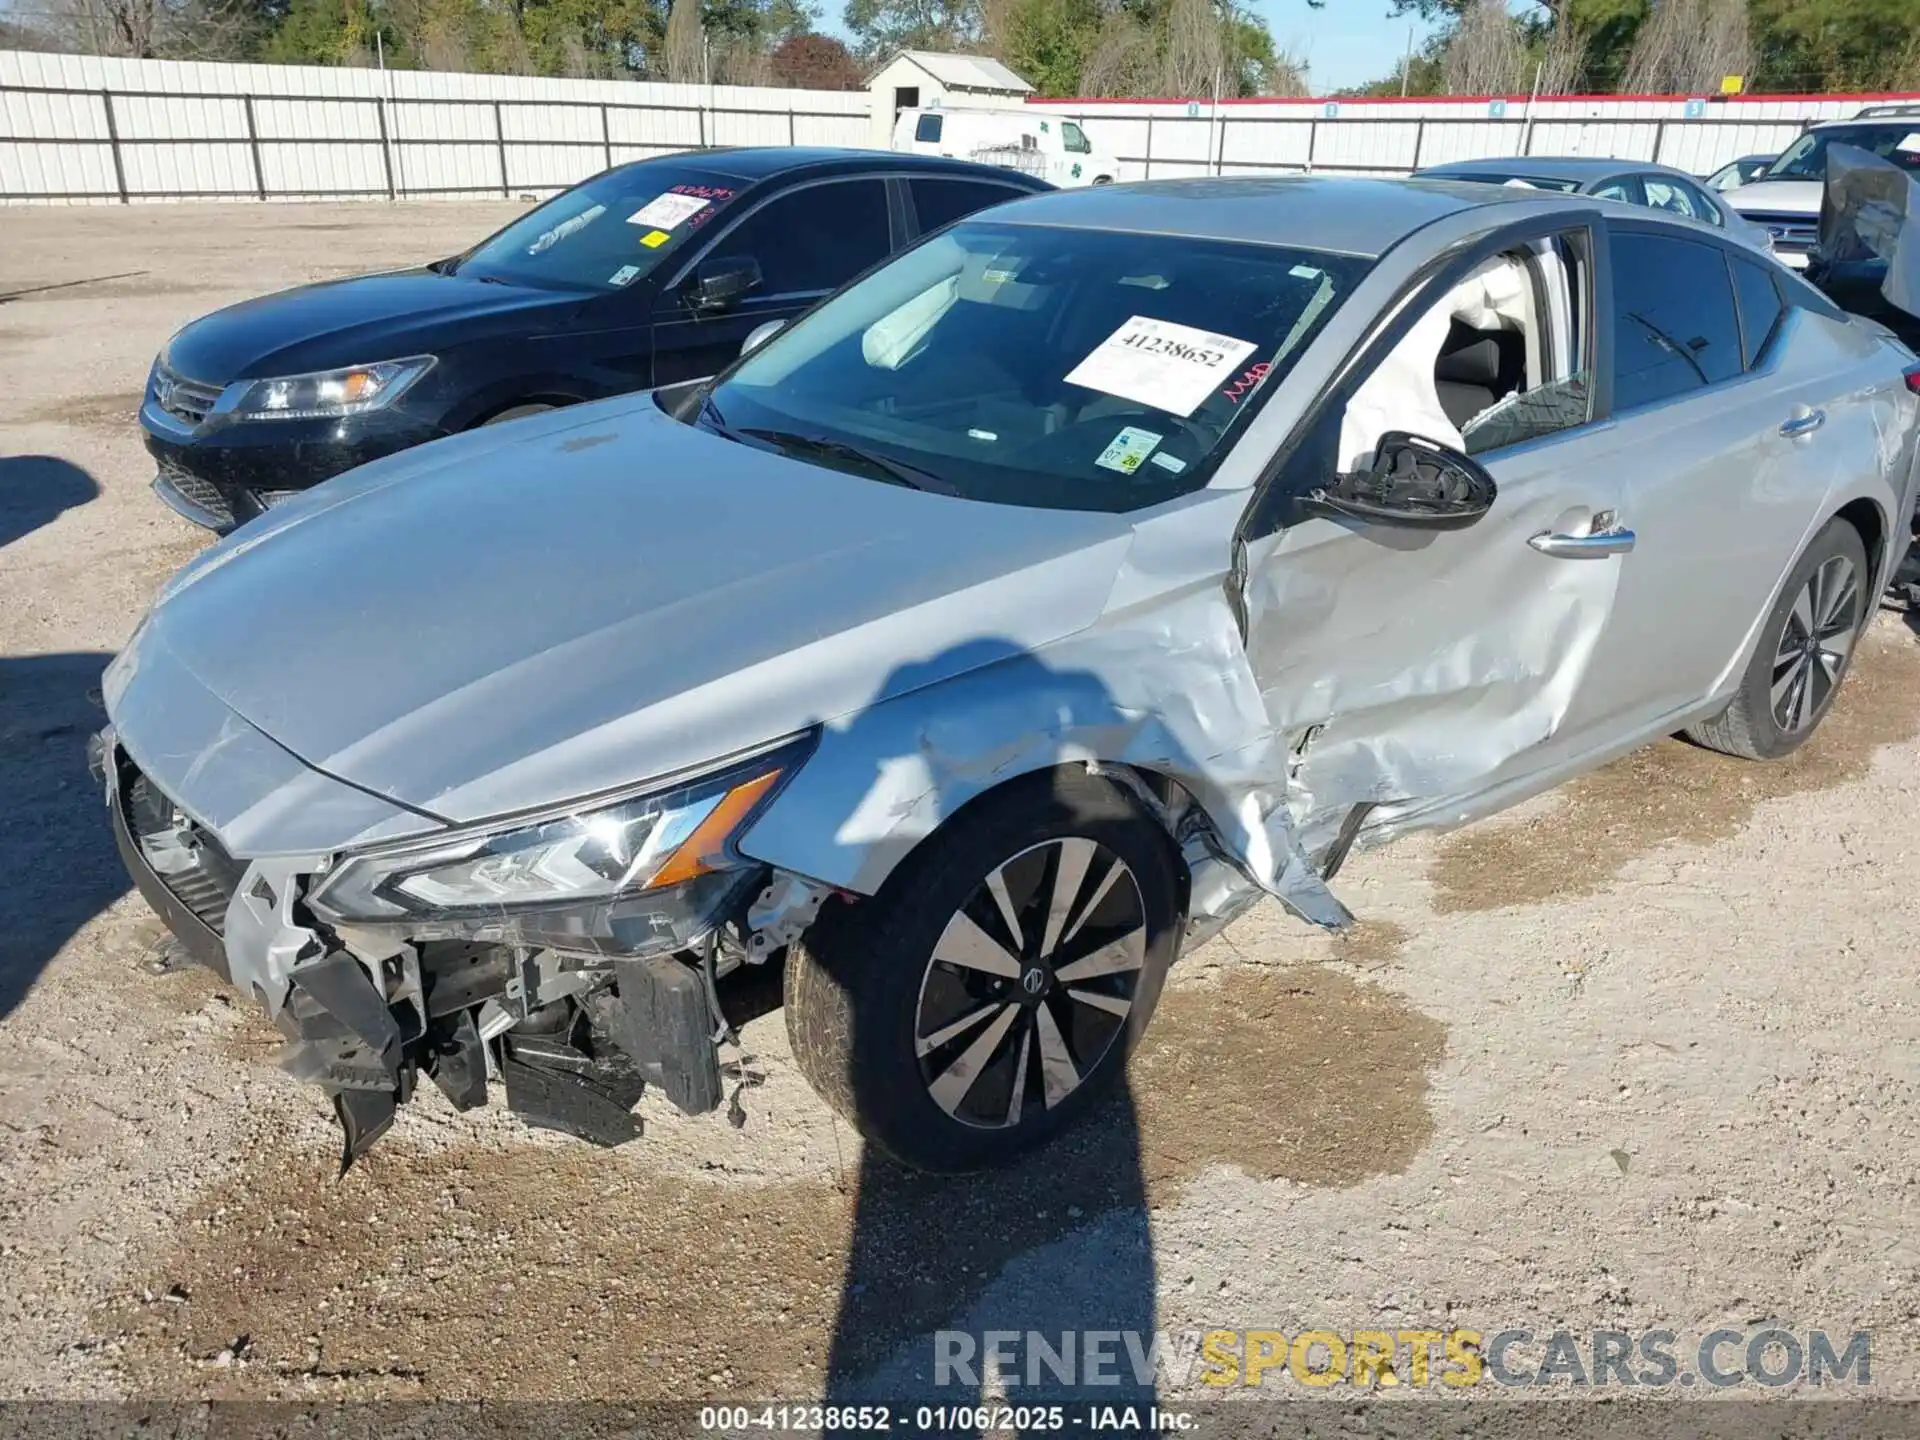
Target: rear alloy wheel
(1803, 653)
(990, 993)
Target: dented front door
(1405, 664)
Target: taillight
(1913, 378)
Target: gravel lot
(1639, 1055)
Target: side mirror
(1412, 482)
(760, 334)
(719, 284)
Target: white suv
(1786, 197)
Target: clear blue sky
(1347, 43)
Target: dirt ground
(1639, 1055)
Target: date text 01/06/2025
(731, 1419)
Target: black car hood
(353, 322)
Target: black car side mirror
(720, 284)
(1412, 482)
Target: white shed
(914, 78)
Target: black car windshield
(1028, 365)
(606, 233)
(1806, 158)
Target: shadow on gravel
(58, 868)
(36, 489)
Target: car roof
(762, 162)
(1580, 169)
(1331, 214)
(1874, 117)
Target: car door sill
(1391, 822)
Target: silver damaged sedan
(993, 634)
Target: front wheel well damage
(1213, 886)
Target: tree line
(1122, 48)
(1657, 47)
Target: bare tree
(1196, 50)
(1563, 60)
(150, 29)
(686, 44)
(1287, 75)
(737, 60)
(1122, 59)
(1486, 54)
(1690, 45)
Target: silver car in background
(1003, 628)
(1631, 182)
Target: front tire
(989, 995)
(1804, 651)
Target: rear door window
(1664, 194)
(939, 203)
(1760, 307)
(1626, 188)
(928, 128)
(1675, 323)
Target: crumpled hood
(350, 322)
(524, 615)
(1777, 197)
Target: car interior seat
(1477, 369)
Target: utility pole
(1406, 65)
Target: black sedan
(647, 274)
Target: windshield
(1025, 365)
(606, 233)
(1806, 158)
(1531, 182)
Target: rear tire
(1803, 654)
(989, 995)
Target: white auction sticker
(1127, 450)
(663, 212)
(1160, 364)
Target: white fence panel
(87, 129)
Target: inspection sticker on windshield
(1158, 363)
(654, 239)
(663, 212)
(624, 275)
(1127, 450)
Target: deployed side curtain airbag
(1406, 391)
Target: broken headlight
(664, 843)
(327, 393)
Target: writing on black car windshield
(605, 234)
(1028, 365)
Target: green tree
(1809, 45)
(880, 27)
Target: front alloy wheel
(1031, 982)
(990, 993)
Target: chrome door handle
(1583, 547)
(1804, 424)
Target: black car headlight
(325, 394)
(622, 875)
